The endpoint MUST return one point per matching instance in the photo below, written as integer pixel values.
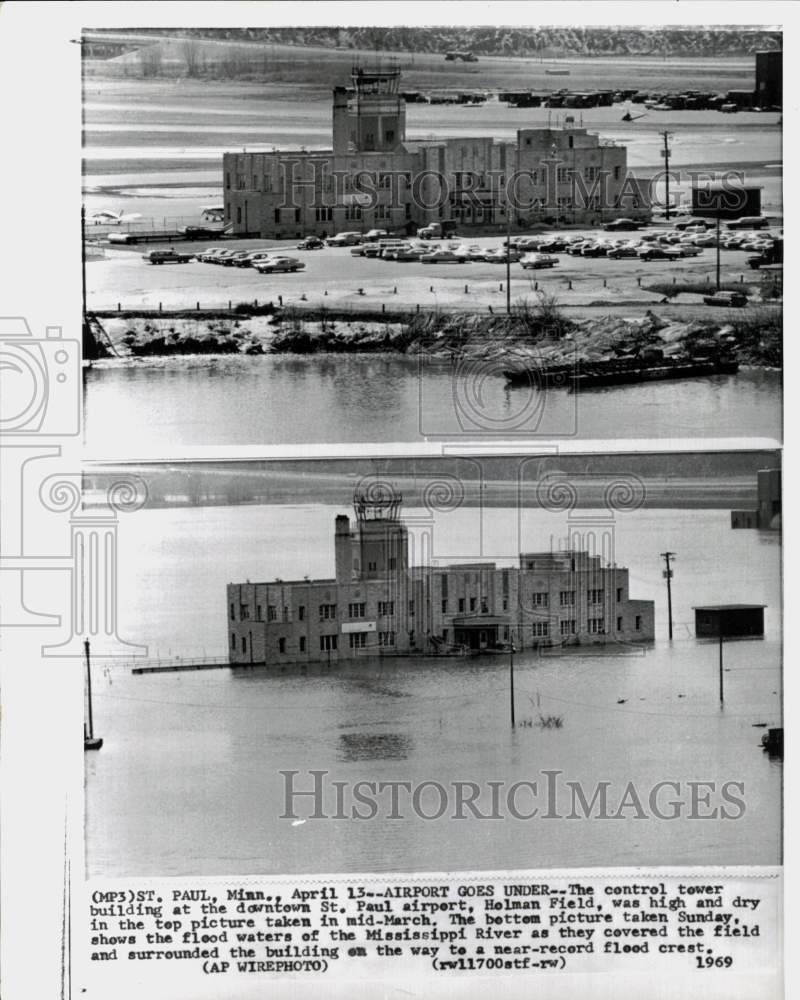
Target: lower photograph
(449, 664)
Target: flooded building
(766, 516)
(373, 176)
(769, 79)
(377, 603)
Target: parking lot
(336, 278)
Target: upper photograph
(396, 234)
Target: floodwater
(187, 780)
(369, 398)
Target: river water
(367, 398)
(187, 781)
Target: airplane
(108, 218)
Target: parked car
(599, 249)
(555, 244)
(660, 253)
(686, 223)
(749, 222)
(690, 250)
(440, 257)
(438, 230)
(387, 249)
(733, 300)
(501, 255)
(469, 252)
(348, 239)
(167, 257)
(623, 253)
(533, 261)
(529, 243)
(207, 254)
(374, 235)
(626, 225)
(233, 258)
(574, 249)
(769, 255)
(252, 258)
(310, 243)
(275, 264)
(408, 253)
(219, 258)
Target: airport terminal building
(374, 177)
(379, 604)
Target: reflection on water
(374, 746)
(279, 400)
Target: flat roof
(728, 607)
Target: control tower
(370, 116)
(376, 546)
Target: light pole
(665, 154)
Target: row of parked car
(263, 261)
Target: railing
(172, 664)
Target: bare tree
(192, 56)
(150, 60)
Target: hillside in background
(542, 41)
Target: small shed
(728, 201)
(729, 621)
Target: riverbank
(536, 332)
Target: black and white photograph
(379, 235)
(393, 488)
(359, 623)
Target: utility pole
(511, 671)
(667, 574)
(718, 219)
(721, 671)
(508, 256)
(89, 687)
(665, 153)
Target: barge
(626, 371)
